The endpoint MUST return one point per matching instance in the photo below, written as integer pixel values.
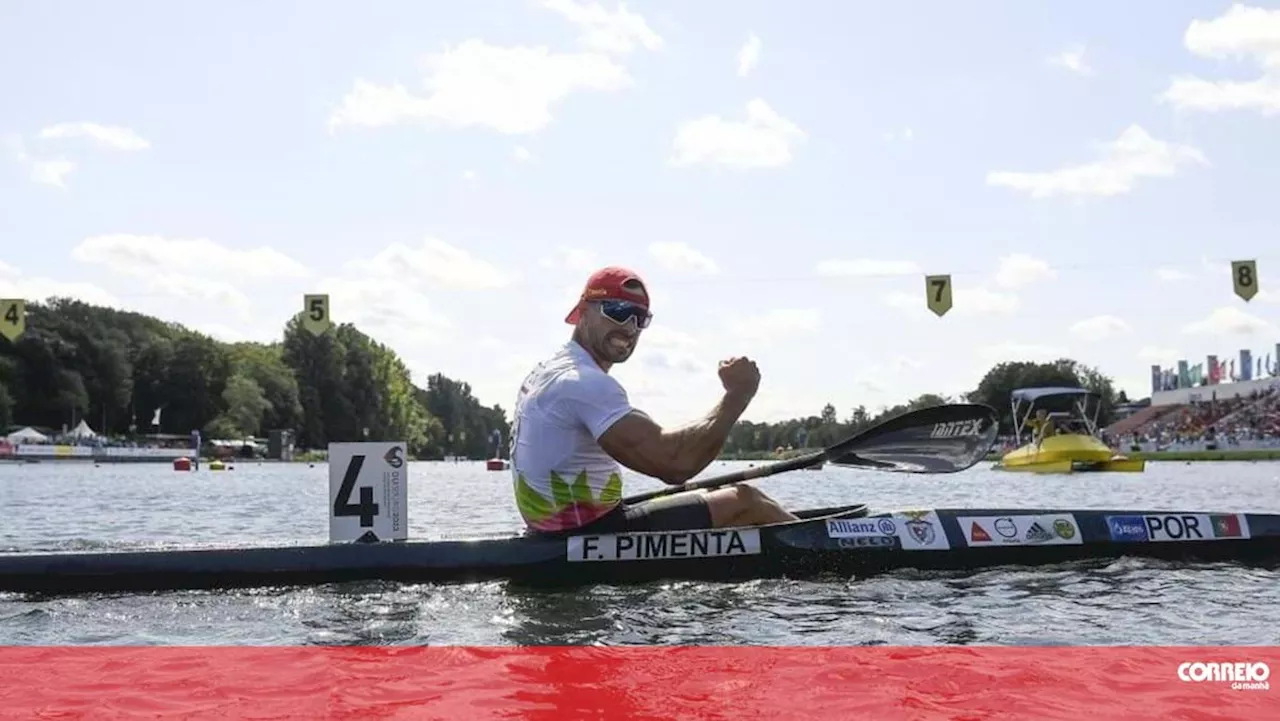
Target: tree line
(115, 369)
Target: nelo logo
(1241, 675)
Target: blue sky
(450, 172)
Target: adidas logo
(1038, 533)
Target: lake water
(61, 506)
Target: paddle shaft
(791, 464)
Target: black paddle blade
(942, 439)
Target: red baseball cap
(611, 283)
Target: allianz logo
(877, 527)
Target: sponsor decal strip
(1050, 529)
(914, 531)
(1175, 527)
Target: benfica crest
(920, 529)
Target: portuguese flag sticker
(1225, 526)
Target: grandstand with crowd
(1191, 409)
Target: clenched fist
(740, 376)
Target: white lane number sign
(368, 492)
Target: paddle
(939, 439)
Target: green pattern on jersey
(536, 507)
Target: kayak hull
(834, 543)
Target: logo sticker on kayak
(1049, 529)
(1175, 527)
(861, 527)
(923, 531)
(664, 546)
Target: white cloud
(1072, 59)
(1238, 33)
(682, 257)
(1229, 320)
(965, 300)
(777, 323)
(609, 32)
(15, 284)
(661, 336)
(52, 172)
(510, 90)
(575, 259)
(112, 137)
(1099, 328)
(394, 314)
(207, 291)
(438, 261)
(905, 135)
(1134, 155)
(147, 255)
(863, 267)
(522, 154)
(469, 175)
(764, 140)
(1012, 351)
(749, 56)
(983, 301)
(1171, 275)
(1157, 354)
(44, 171)
(665, 349)
(1020, 269)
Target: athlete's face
(606, 335)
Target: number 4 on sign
(13, 318)
(315, 313)
(1244, 278)
(937, 290)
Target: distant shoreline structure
(105, 454)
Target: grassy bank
(1251, 454)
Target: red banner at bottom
(662, 682)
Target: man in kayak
(575, 428)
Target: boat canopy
(1033, 394)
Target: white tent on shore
(26, 435)
(82, 431)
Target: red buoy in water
(182, 464)
(496, 464)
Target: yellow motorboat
(1061, 442)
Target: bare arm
(677, 455)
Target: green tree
(246, 404)
(118, 367)
(997, 386)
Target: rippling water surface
(59, 506)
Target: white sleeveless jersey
(563, 478)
